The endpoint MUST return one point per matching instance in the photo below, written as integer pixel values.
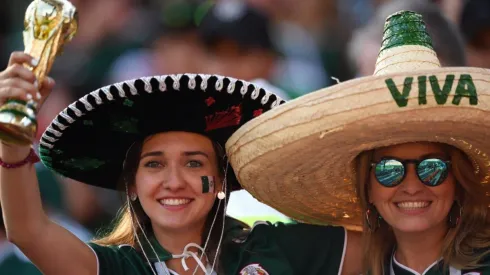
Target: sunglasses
(390, 172)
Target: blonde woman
(426, 212)
(402, 155)
(159, 140)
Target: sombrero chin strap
(162, 269)
(187, 254)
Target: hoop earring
(373, 218)
(455, 214)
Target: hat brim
(88, 141)
(298, 158)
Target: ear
(132, 189)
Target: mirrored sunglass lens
(389, 172)
(432, 172)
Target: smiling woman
(426, 211)
(403, 155)
(164, 172)
(158, 140)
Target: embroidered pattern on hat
(84, 163)
(223, 119)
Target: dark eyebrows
(151, 154)
(187, 154)
(195, 153)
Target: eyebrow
(160, 153)
(151, 154)
(195, 153)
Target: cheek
(447, 190)
(195, 183)
(146, 183)
(379, 193)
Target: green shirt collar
(233, 229)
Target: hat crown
(406, 45)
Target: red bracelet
(31, 158)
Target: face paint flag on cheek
(207, 184)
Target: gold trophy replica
(48, 25)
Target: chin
(176, 223)
(411, 227)
(414, 225)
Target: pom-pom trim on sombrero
(234, 102)
(299, 158)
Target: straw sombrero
(298, 157)
(88, 140)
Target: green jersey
(267, 249)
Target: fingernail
(29, 97)
(38, 95)
(36, 84)
(34, 62)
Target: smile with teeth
(409, 205)
(174, 202)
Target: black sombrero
(88, 140)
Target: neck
(174, 242)
(419, 250)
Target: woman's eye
(194, 163)
(152, 164)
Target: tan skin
(169, 173)
(419, 233)
(171, 165)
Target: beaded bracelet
(31, 158)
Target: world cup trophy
(48, 26)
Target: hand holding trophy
(48, 25)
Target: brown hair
(126, 229)
(464, 246)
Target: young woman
(403, 154)
(160, 141)
(426, 211)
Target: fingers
(30, 89)
(21, 58)
(46, 87)
(13, 92)
(17, 70)
(18, 81)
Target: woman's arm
(53, 249)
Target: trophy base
(17, 124)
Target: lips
(174, 201)
(412, 205)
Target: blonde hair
(464, 246)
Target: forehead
(412, 150)
(178, 141)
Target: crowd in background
(296, 46)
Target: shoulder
(122, 259)
(283, 248)
(291, 230)
(484, 268)
(124, 250)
